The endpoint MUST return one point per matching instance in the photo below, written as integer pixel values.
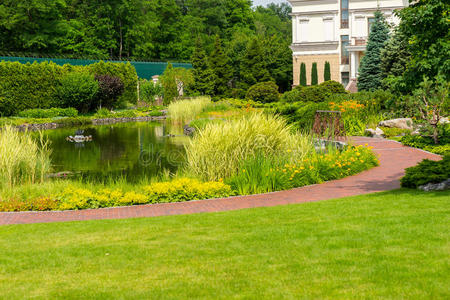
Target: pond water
(132, 151)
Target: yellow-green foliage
(73, 197)
(185, 189)
(22, 159)
(218, 149)
(187, 110)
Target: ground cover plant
(385, 245)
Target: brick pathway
(394, 158)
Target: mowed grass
(388, 245)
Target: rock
(445, 185)
(403, 123)
(444, 121)
(187, 130)
(375, 133)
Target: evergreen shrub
(427, 171)
(78, 90)
(264, 92)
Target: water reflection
(124, 150)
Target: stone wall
(320, 59)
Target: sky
(265, 2)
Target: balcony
(359, 41)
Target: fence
(144, 69)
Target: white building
(335, 31)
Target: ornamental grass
(184, 111)
(218, 150)
(22, 158)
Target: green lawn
(388, 245)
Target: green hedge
(49, 113)
(36, 85)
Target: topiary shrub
(291, 96)
(264, 92)
(110, 88)
(427, 171)
(314, 76)
(327, 71)
(78, 90)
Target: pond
(132, 151)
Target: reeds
(22, 158)
(184, 111)
(218, 150)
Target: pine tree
(327, 72)
(202, 73)
(219, 64)
(314, 79)
(302, 74)
(254, 68)
(370, 71)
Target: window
(344, 51)
(303, 30)
(328, 25)
(370, 22)
(344, 13)
(345, 78)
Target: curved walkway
(394, 158)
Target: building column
(353, 65)
(357, 64)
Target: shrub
(264, 92)
(74, 121)
(187, 110)
(302, 74)
(427, 171)
(260, 174)
(149, 91)
(327, 72)
(332, 87)
(393, 132)
(218, 149)
(291, 96)
(22, 159)
(49, 113)
(300, 114)
(78, 90)
(185, 189)
(110, 88)
(312, 93)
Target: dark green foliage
(78, 90)
(300, 114)
(302, 74)
(427, 171)
(254, 68)
(203, 76)
(291, 96)
(26, 86)
(332, 87)
(370, 72)
(314, 76)
(219, 64)
(426, 26)
(426, 141)
(78, 121)
(264, 92)
(327, 71)
(110, 88)
(49, 113)
(149, 91)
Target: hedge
(36, 85)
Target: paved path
(394, 158)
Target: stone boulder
(403, 123)
(188, 130)
(445, 185)
(375, 133)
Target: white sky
(265, 2)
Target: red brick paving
(394, 158)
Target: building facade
(335, 31)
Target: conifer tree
(202, 73)
(302, 74)
(254, 68)
(327, 72)
(169, 83)
(314, 79)
(219, 64)
(370, 70)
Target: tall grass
(186, 110)
(218, 149)
(22, 158)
